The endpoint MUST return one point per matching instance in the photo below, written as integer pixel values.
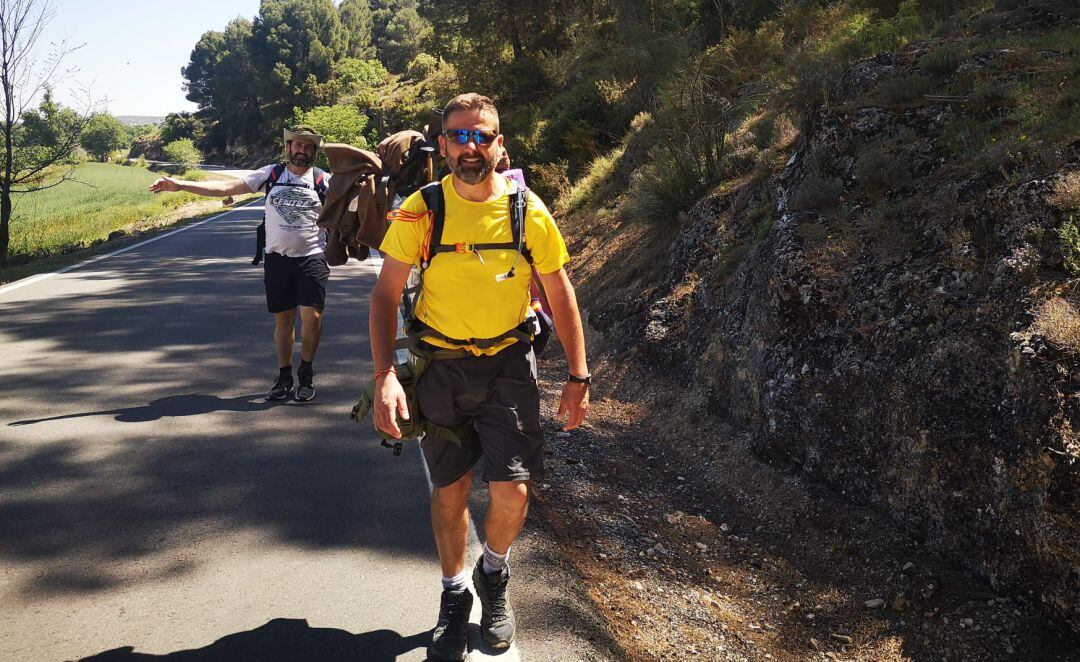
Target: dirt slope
(862, 361)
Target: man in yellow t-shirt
(472, 295)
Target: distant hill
(136, 120)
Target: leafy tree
(48, 126)
(382, 11)
(356, 19)
(103, 135)
(294, 45)
(403, 39)
(182, 125)
(338, 124)
(183, 153)
(221, 78)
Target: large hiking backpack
(270, 182)
(354, 221)
(408, 162)
(535, 329)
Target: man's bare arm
(564, 309)
(382, 329)
(218, 188)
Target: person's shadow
(285, 640)
(192, 404)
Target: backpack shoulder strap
(275, 174)
(436, 204)
(519, 201)
(320, 184)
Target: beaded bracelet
(384, 372)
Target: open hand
(164, 184)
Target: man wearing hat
(295, 268)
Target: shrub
(422, 66)
(764, 131)
(354, 73)
(550, 180)
(650, 196)
(905, 89)
(1059, 322)
(877, 172)
(595, 186)
(985, 23)
(942, 61)
(817, 192)
(1012, 157)
(1069, 234)
(183, 153)
(1067, 192)
(990, 97)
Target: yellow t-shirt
(461, 297)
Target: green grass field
(103, 198)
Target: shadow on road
(285, 640)
(114, 492)
(192, 404)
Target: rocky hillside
(889, 305)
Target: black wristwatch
(587, 379)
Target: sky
(133, 51)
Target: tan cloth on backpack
(392, 151)
(351, 212)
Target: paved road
(151, 502)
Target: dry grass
(1067, 192)
(1058, 321)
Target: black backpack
(417, 169)
(269, 183)
(535, 329)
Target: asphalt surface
(153, 506)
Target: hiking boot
(306, 390)
(450, 640)
(496, 617)
(282, 387)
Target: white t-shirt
(292, 209)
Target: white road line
(97, 258)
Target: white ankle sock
(456, 583)
(493, 561)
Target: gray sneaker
(497, 616)
(306, 390)
(450, 639)
(282, 387)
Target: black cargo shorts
(499, 396)
(295, 281)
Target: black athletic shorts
(498, 394)
(295, 281)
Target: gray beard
(470, 175)
(300, 160)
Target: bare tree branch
(24, 75)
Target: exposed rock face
(893, 356)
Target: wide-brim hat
(303, 133)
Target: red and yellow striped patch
(406, 216)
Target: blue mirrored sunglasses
(463, 136)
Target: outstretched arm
(219, 188)
(564, 309)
